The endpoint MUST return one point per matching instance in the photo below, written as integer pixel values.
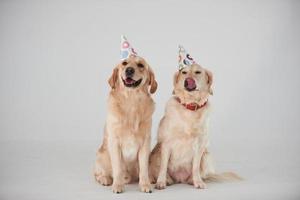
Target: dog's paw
(200, 184)
(127, 179)
(104, 180)
(152, 179)
(118, 188)
(169, 180)
(146, 188)
(190, 181)
(160, 185)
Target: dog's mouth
(129, 82)
(190, 84)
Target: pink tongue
(129, 80)
(191, 84)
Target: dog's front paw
(118, 188)
(104, 180)
(169, 180)
(160, 185)
(200, 184)
(145, 187)
(152, 179)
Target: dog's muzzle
(129, 72)
(190, 84)
(129, 81)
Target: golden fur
(181, 154)
(124, 154)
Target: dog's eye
(184, 72)
(124, 63)
(140, 65)
(197, 72)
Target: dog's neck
(192, 106)
(197, 97)
(128, 93)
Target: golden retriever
(181, 155)
(124, 154)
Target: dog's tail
(222, 177)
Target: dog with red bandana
(181, 153)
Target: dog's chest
(129, 147)
(191, 122)
(135, 110)
(190, 132)
(192, 127)
(182, 149)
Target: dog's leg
(154, 163)
(206, 164)
(199, 150)
(170, 181)
(116, 160)
(143, 157)
(102, 169)
(165, 155)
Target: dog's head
(133, 73)
(193, 79)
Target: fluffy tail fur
(222, 177)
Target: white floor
(62, 170)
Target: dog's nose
(129, 71)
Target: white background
(56, 58)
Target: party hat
(184, 58)
(126, 49)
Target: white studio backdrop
(56, 58)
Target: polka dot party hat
(184, 58)
(126, 49)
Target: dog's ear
(209, 81)
(152, 81)
(175, 80)
(113, 79)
